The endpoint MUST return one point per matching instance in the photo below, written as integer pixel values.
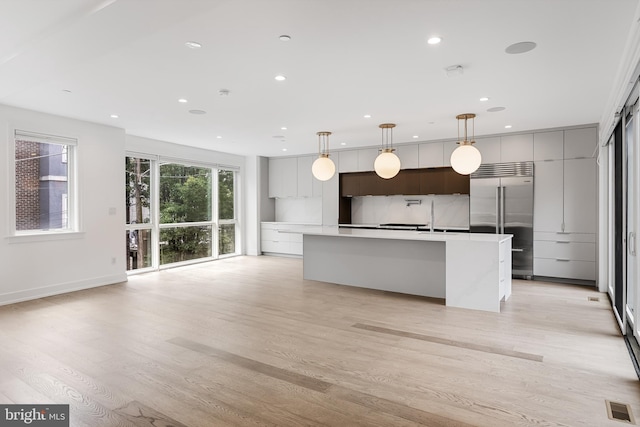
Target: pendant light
(387, 164)
(323, 167)
(466, 158)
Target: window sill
(45, 237)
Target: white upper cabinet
(548, 145)
(448, 148)
(283, 177)
(517, 148)
(548, 194)
(408, 155)
(565, 198)
(348, 161)
(366, 158)
(308, 186)
(580, 198)
(580, 143)
(431, 155)
(489, 149)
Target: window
(185, 213)
(178, 213)
(226, 212)
(138, 195)
(44, 183)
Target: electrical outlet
(113, 260)
(112, 211)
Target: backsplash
(450, 211)
(305, 210)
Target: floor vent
(594, 298)
(619, 412)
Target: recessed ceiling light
(114, 116)
(507, 126)
(484, 99)
(283, 128)
(182, 100)
(197, 112)
(284, 149)
(495, 109)
(432, 123)
(521, 47)
(193, 45)
(367, 116)
(415, 136)
(219, 137)
(343, 143)
(284, 38)
(280, 78)
(434, 40)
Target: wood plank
(454, 343)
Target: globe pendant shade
(387, 165)
(323, 168)
(466, 159)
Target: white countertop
(334, 231)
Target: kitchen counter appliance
(501, 202)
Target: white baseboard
(62, 288)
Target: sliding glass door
(632, 187)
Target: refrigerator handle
(502, 210)
(498, 219)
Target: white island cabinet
(467, 270)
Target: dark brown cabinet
(454, 183)
(350, 184)
(408, 182)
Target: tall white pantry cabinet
(565, 204)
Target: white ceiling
(345, 59)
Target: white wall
(300, 210)
(32, 267)
(142, 145)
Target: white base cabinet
(272, 241)
(565, 255)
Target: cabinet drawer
(269, 234)
(295, 248)
(564, 237)
(581, 270)
(576, 251)
(294, 237)
(275, 247)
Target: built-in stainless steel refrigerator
(501, 202)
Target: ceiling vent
(454, 70)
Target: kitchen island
(467, 270)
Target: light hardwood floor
(246, 341)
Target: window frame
(73, 229)
(234, 220)
(151, 226)
(156, 227)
